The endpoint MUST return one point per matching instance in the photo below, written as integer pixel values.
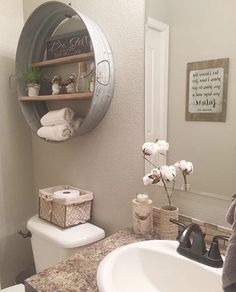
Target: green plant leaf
(33, 76)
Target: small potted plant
(33, 77)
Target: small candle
(142, 198)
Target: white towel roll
(57, 117)
(56, 133)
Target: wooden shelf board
(64, 60)
(72, 96)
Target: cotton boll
(182, 164)
(162, 145)
(156, 171)
(149, 148)
(155, 176)
(152, 178)
(147, 180)
(172, 170)
(168, 172)
(186, 167)
(189, 168)
(176, 165)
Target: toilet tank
(51, 244)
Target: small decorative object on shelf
(33, 78)
(82, 82)
(56, 85)
(166, 174)
(142, 214)
(92, 77)
(70, 88)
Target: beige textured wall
(107, 160)
(16, 181)
(201, 31)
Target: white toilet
(15, 288)
(51, 244)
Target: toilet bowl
(51, 244)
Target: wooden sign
(206, 93)
(68, 45)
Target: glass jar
(82, 81)
(92, 77)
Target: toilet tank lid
(75, 236)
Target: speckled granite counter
(78, 273)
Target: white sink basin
(155, 265)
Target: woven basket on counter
(62, 213)
(168, 230)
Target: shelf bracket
(100, 72)
(12, 82)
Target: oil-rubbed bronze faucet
(192, 245)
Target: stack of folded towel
(58, 125)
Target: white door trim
(160, 126)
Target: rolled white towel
(56, 133)
(57, 117)
(76, 123)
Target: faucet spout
(197, 244)
(192, 245)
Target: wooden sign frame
(206, 90)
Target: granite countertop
(78, 273)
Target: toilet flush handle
(25, 235)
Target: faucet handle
(223, 237)
(177, 222)
(184, 226)
(214, 251)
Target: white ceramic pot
(33, 89)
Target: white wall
(16, 195)
(201, 30)
(108, 160)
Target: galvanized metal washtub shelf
(40, 25)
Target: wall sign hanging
(206, 93)
(68, 45)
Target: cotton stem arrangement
(165, 173)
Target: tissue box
(61, 212)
